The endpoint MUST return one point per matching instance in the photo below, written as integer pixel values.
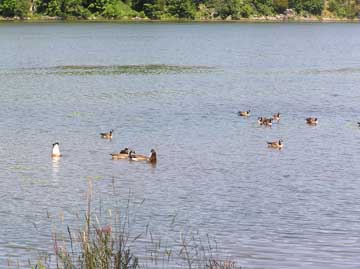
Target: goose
(267, 122)
(138, 158)
(108, 135)
(276, 117)
(312, 121)
(123, 154)
(276, 144)
(55, 150)
(244, 113)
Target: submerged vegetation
(104, 70)
(178, 9)
(127, 69)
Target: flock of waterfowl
(276, 118)
(127, 154)
(124, 154)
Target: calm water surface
(177, 88)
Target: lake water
(177, 88)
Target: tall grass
(110, 247)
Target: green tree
(264, 7)
(97, 6)
(181, 8)
(11, 8)
(234, 8)
(314, 7)
(246, 11)
(116, 9)
(54, 8)
(138, 5)
(154, 11)
(281, 5)
(74, 8)
(347, 8)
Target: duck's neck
(152, 158)
(56, 150)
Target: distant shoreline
(276, 19)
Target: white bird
(56, 150)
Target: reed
(95, 246)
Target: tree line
(176, 9)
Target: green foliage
(54, 8)
(264, 7)
(74, 8)
(280, 5)
(344, 8)
(246, 10)
(314, 7)
(153, 9)
(225, 8)
(11, 8)
(116, 9)
(181, 8)
(97, 6)
(177, 9)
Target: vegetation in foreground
(178, 9)
(112, 246)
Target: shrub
(117, 10)
(10, 8)
(181, 9)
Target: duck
(140, 158)
(358, 123)
(55, 150)
(260, 120)
(244, 113)
(312, 121)
(276, 117)
(123, 154)
(108, 135)
(276, 144)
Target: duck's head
(111, 131)
(153, 158)
(124, 151)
